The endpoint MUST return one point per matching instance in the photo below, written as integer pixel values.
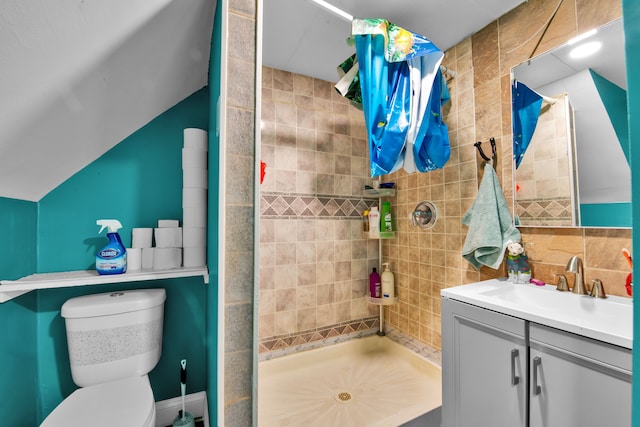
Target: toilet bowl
(127, 402)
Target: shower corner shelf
(383, 235)
(379, 192)
(10, 289)
(383, 301)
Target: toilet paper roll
(162, 223)
(194, 237)
(196, 138)
(194, 217)
(194, 158)
(147, 258)
(194, 178)
(167, 258)
(134, 259)
(141, 237)
(194, 257)
(170, 237)
(194, 197)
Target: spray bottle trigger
(112, 224)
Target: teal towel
(490, 225)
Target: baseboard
(195, 403)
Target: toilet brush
(184, 418)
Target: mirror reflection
(574, 170)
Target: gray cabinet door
(577, 381)
(484, 367)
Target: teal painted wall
(214, 207)
(138, 182)
(19, 384)
(18, 222)
(631, 20)
(616, 214)
(614, 99)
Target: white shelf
(10, 289)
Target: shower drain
(344, 397)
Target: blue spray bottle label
(112, 259)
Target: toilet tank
(114, 335)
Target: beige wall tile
(594, 13)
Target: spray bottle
(112, 259)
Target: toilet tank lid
(109, 303)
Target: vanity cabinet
(500, 370)
(484, 367)
(577, 381)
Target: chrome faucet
(575, 266)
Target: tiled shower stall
(314, 260)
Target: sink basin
(609, 320)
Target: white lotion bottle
(374, 223)
(388, 283)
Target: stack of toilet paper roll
(194, 197)
(165, 255)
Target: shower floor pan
(368, 382)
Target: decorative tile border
(555, 211)
(278, 205)
(282, 345)
(425, 350)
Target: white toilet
(115, 340)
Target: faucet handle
(563, 285)
(597, 290)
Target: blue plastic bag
(526, 111)
(431, 149)
(404, 123)
(386, 98)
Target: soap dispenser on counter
(388, 283)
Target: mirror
(575, 171)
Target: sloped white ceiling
(304, 38)
(77, 77)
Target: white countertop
(609, 319)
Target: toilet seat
(123, 402)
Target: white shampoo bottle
(388, 283)
(374, 223)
